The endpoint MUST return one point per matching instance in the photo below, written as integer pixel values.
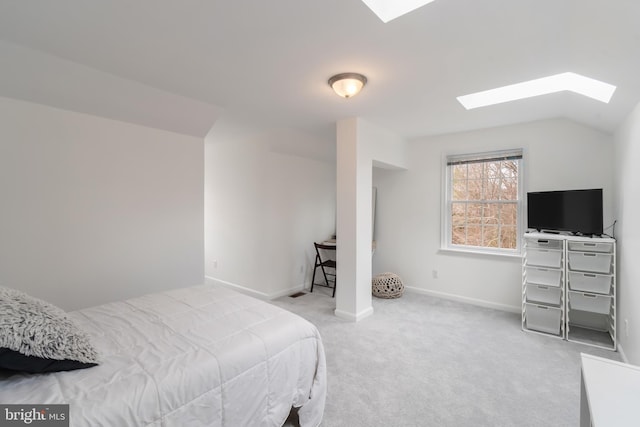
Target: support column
(359, 146)
(353, 223)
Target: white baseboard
(474, 301)
(354, 317)
(253, 293)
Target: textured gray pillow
(34, 330)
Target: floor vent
(297, 294)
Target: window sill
(514, 256)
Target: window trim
(446, 226)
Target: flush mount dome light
(347, 85)
(573, 82)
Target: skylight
(560, 82)
(391, 9)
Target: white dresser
(569, 288)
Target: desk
(609, 393)
(333, 242)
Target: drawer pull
(589, 275)
(590, 254)
(590, 295)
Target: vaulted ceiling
(181, 64)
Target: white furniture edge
(609, 393)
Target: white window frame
(446, 228)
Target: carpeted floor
(425, 361)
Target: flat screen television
(575, 211)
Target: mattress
(199, 356)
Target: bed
(199, 356)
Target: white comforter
(200, 356)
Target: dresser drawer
(544, 257)
(543, 294)
(544, 276)
(602, 247)
(543, 318)
(590, 261)
(590, 282)
(589, 302)
(543, 243)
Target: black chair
(325, 263)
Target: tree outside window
(484, 195)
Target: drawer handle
(589, 275)
(542, 307)
(542, 269)
(543, 287)
(543, 242)
(590, 254)
(590, 244)
(590, 295)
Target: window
(483, 202)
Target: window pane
(491, 213)
(459, 172)
(509, 213)
(490, 237)
(474, 235)
(459, 235)
(459, 190)
(510, 169)
(509, 188)
(475, 170)
(458, 213)
(492, 189)
(492, 170)
(474, 213)
(508, 237)
(475, 187)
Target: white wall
(627, 207)
(96, 210)
(559, 154)
(269, 196)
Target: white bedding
(200, 356)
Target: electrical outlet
(434, 273)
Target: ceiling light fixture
(557, 83)
(347, 85)
(391, 9)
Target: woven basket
(387, 285)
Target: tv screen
(575, 211)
